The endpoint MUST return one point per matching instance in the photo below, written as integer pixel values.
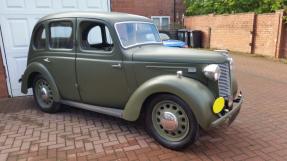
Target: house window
(162, 22)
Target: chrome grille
(224, 81)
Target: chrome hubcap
(169, 121)
(44, 94)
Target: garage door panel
(43, 3)
(69, 4)
(16, 33)
(15, 3)
(18, 66)
(18, 17)
(94, 4)
(19, 32)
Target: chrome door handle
(117, 66)
(47, 60)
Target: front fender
(194, 93)
(38, 68)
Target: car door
(99, 66)
(61, 56)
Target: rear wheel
(171, 121)
(43, 95)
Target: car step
(103, 110)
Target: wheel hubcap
(44, 93)
(170, 120)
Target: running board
(103, 110)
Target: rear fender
(38, 68)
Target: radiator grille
(224, 81)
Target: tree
(199, 7)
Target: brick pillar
(3, 85)
(280, 34)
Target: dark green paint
(90, 77)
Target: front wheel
(43, 95)
(171, 122)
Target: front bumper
(229, 117)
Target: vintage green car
(115, 64)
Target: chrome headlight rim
(212, 71)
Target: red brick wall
(232, 32)
(3, 86)
(149, 8)
(226, 31)
(267, 30)
(245, 32)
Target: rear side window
(40, 38)
(61, 35)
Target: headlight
(212, 71)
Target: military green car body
(124, 79)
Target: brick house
(162, 12)
(18, 17)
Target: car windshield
(135, 33)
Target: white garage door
(18, 17)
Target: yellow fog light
(218, 105)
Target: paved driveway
(259, 133)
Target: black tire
(191, 134)
(47, 105)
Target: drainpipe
(279, 33)
(174, 11)
(253, 35)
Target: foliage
(200, 7)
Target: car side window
(40, 38)
(61, 35)
(95, 36)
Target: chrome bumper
(229, 117)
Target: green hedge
(201, 7)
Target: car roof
(112, 17)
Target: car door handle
(117, 65)
(47, 60)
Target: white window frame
(160, 19)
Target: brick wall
(245, 32)
(231, 32)
(266, 34)
(3, 86)
(150, 8)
